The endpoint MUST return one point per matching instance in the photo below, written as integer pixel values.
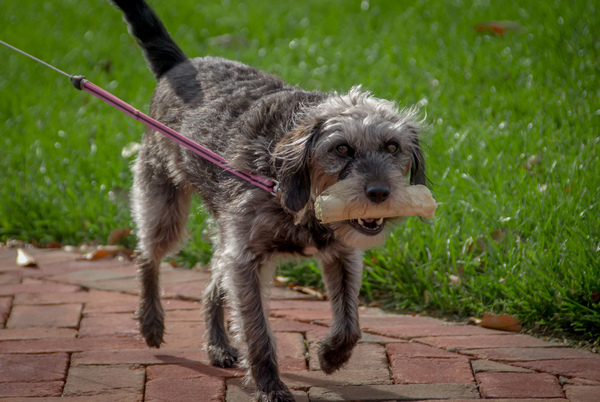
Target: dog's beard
(350, 236)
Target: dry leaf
(281, 280)
(25, 260)
(310, 291)
(479, 244)
(455, 280)
(117, 235)
(498, 27)
(103, 251)
(502, 322)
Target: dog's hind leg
(220, 351)
(342, 274)
(160, 210)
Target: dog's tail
(161, 52)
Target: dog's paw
(281, 395)
(222, 356)
(333, 357)
(153, 334)
(152, 327)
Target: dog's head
(355, 139)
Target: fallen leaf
(117, 235)
(491, 27)
(25, 260)
(103, 251)
(455, 280)
(479, 244)
(498, 27)
(281, 280)
(50, 244)
(502, 322)
(310, 291)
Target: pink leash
(82, 84)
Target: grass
(513, 145)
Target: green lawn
(513, 144)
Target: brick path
(66, 331)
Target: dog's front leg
(243, 287)
(342, 274)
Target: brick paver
(60, 315)
(427, 370)
(20, 334)
(105, 380)
(583, 393)
(579, 368)
(519, 385)
(366, 356)
(31, 389)
(236, 392)
(411, 392)
(119, 324)
(67, 333)
(33, 368)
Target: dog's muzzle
(368, 226)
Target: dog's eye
(391, 148)
(344, 149)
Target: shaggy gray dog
(305, 140)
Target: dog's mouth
(369, 227)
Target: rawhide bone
(334, 205)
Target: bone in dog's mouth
(368, 226)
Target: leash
(81, 83)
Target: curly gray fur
(307, 141)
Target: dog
(304, 140)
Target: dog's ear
(417, 168)
(292, 160)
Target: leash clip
(77, 81)
(276, 189)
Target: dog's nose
(377, 192)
